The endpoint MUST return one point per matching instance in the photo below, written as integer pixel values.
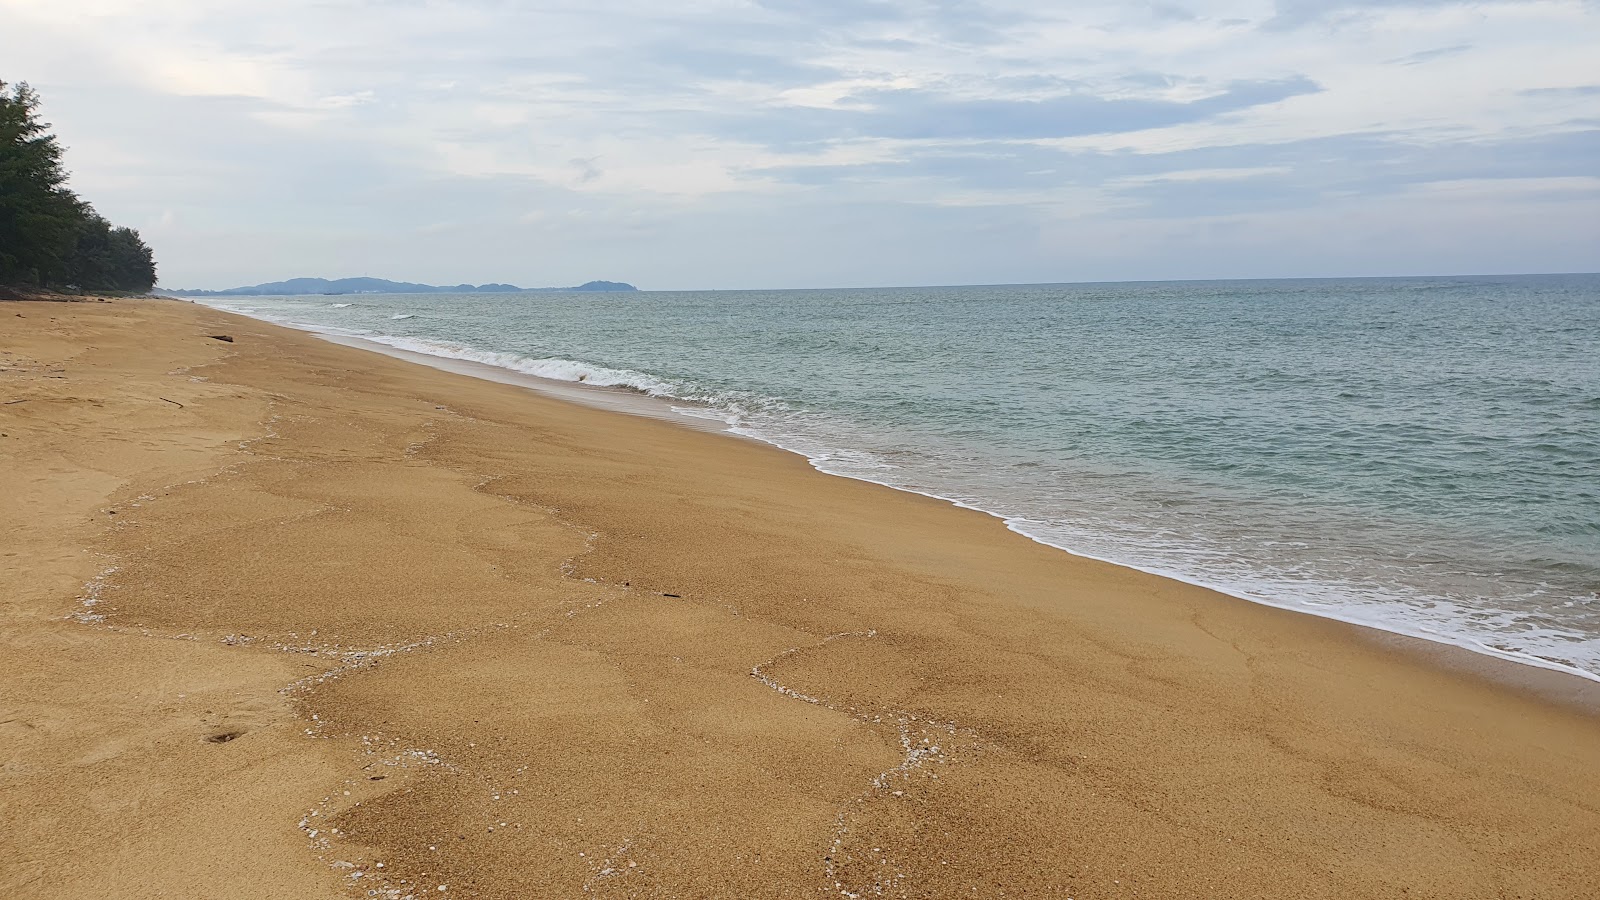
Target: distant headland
(295, 286)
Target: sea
(1420, 455)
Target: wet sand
(346, 611)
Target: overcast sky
(810, 143)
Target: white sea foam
(340, 306)
(1409, 613)
(551, 368)
(404, 316)
(315, 327)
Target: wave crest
(553, 368)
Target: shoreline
(1585, 695)
(618, 399)
(469, 635)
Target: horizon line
(877, 287)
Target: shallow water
(1419, 454)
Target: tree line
(49, 237)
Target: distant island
(298, 286)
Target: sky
(710, 144)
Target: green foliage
(108, 258)
(48, 237)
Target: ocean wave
(1507, 634)
(404, 316)
(340, 306)
(553, 368)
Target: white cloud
(1179, 175)
(193, 115)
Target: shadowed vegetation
(49, 237)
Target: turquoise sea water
(1419, 454)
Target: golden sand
(357, 625)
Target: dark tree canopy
(49, 237)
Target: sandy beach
(287, 619)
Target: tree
(47, 235)
(104, 258)
(132, 261)
(38, 215)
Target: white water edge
(640, 394)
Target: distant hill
(298, 286)
(597, 286)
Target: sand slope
(551, 651)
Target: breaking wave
(552, 368)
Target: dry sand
(361, 625)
